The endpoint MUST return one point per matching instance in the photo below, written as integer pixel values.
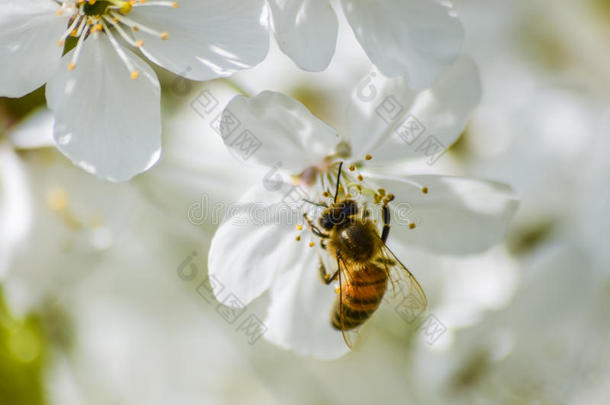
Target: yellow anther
(311, 244)
(337, 290)
(298, 238)
(360, 178)
(388, 199)
(71, 66)
(135, 74)
(325, 194)
(135, 28)
(126, 8)
(424, 190)
(352, 168)
(326, 276)
(368, 157)
(299, 227)
(59, 12)
(381, 192)
(412, 225)
(175, 4)
(139, 43)
(164, 35)
(60, 43)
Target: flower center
(90, 17)
(332, 181)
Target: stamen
(143, 3)
(66, 34)
(134, 73)
(424, 190)
(137, 27)
(298, 238)
(84, 29)
(123, 34)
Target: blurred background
(95, 307)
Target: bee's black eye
(326, 222)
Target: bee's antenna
(316, 204)
(338, 181)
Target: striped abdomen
(361, 296)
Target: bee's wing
(404, 287)
(331, 265)
(348, 335)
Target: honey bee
(365, 266)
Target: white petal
(392, 123)
(207, 38)
(29, 54)
(256, 242)
(299, 314)
(15, 205)
(457, 216)
(105, 122)
(306, 31)
(412, 38)
(276, 129)
(35, 131)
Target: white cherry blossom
(106, 98)
(257, 249)
(412, 38)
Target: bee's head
(338, 213)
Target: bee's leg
(314, 228)
(326, 277)
(322, 244)
(386, 223)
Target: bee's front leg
(315, 229)
(325, 276)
